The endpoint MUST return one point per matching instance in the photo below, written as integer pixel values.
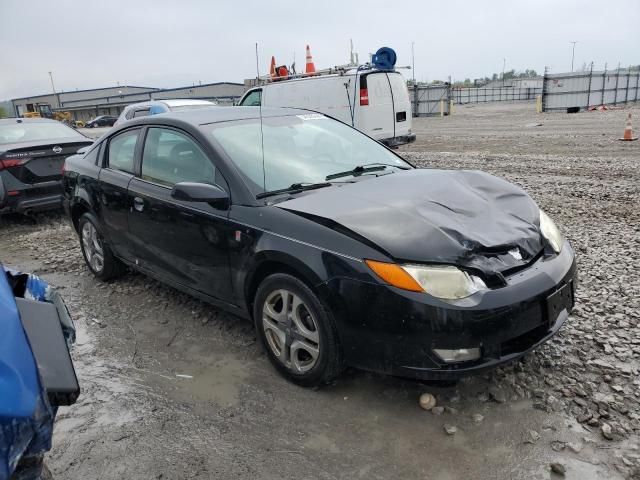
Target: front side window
(122, 150)
(253, 99)
(297, 149)
(170, 157)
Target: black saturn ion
(340, 252)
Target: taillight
(10, 163)
(364, 96)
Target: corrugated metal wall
(430, 100)
(462, 95)
(582, 90)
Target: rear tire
(297, 331)
(97, 254)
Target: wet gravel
(571, 406)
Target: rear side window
(141, 113)
(122, 149)
(170, 157)
(253, 99)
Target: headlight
(439, 281)
(551, 232)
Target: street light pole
(573, 54)
(413, 64)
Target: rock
(498, 394)
(575, 447)
(532, 437)
(451, 410)
(450, 429)
(607, 431)
(477, 418)
(483, 397)
(427, 401)
(602, 364)
(558, 469)
(437, 410)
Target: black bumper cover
(395, 332)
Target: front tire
(297, 331)
(97, 254)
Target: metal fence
(428, 100)
(463, 95)
(584, 90)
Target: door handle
(138, 204)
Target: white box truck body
(375, 102)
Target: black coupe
(338, 250)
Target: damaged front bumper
(397, 332)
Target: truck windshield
(28, 132)
(298, 149)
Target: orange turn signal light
(394, 275)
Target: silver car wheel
(291, 330)
(92, 246)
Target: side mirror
(201, 192)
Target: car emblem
(57, 149)
(515, 253)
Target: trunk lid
(42, 163)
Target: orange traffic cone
(310, 67)
(628, 131)
(272, 71)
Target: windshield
(298, 149)
(29, 132)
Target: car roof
(179, 102)
(7, 121)
(203, 116)
(174, 102)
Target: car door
(185, 242)
(113, 182)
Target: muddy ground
(173, 388)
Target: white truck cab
(376, 102)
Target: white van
(373, 101)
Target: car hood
(467, 218)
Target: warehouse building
(87, 104)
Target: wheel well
(263, 271)
(76, 213)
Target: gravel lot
(173, 388)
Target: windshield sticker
(311, 116)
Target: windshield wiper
(294, 188)
(360, 169)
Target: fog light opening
(458, 355)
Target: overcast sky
(171, 43)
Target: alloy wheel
(291, 330)
(92, 246)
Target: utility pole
(413, 64)
(53, 87)
(573, 54)
(504, 62)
